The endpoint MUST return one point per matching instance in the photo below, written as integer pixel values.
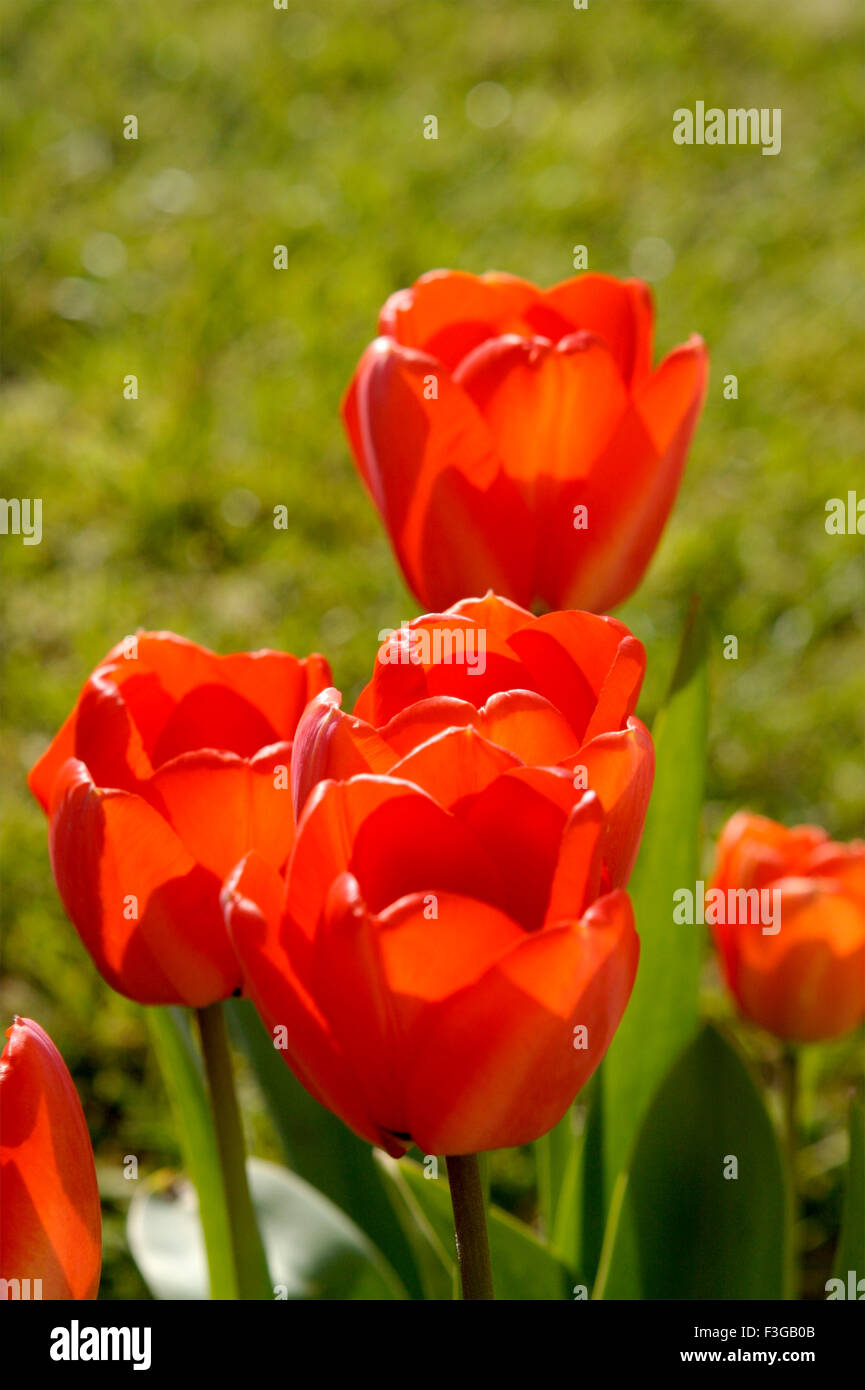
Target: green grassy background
(303, 127)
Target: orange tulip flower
(557, 691)
(518, 439)
(50, 1223)
(803, 978)
(438, 966)
(173, 764)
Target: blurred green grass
(303, 127)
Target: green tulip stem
(250, 1264)
(470, 1226)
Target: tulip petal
(618, 695)
(520, 818)
(453, 765)
(332, 744)
(529, 725)
(424, 719)
(147, 913)
(447, 313)
(619, 312)
(393, 838)
(620, 767)
(499, 617)
(551, 409)
(567, 658)
(457, 524)
(261, 694)
(254, 800)
(807, 982)
(497, 1064)
(101, 733)
(251, 901)
(577, 875)
(439, 655)
(628, 494)
(51, 1227)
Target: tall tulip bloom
(489, 412)
(172, 765)
(439, 959)
(50, 1223)
(804, 982)
(557, 691)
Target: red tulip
(488, 411)
(557, 691)
(803, 978)
(51, 1228)
(165, 774)
(441, 964)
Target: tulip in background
(557, 691)
(489, 411)
(805, 982)
(161, 779)
(50, 1222)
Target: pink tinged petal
(331, 744)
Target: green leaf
(323, 1150)
(680, 1228)
(314, 1251)
(436, 1261)
(851, 1245)
(182, 1077)
(523, 1268)
(568, 1168)
(662, 1015)
(554, 1166)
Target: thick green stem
(253, 1280)
(470, 1226)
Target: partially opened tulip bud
(50, 1223)
(798, 968)
(172, 766)
(519, 439)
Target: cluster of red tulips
(426, 898)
